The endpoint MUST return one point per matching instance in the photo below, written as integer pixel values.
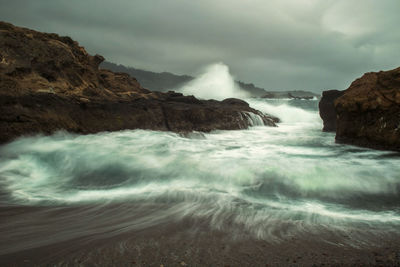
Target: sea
(269, 183)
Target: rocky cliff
(327, 110)
(48, 83)
(368, 113)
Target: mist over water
(272, 183)
(215, 82)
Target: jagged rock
(48, 83)
(302, 95)
(327, 109)
(235, 101)
(368, 113)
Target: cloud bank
(276, 44)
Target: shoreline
(177, 242)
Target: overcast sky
(276, 44)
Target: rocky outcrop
(368, 113)
(300, 95)
(327, 110)
(48, 83)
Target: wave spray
(215, 82)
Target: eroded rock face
(48, 83)
(327, 110)
(368, 113)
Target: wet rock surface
(178, 244)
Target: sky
(310, 45)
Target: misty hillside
(166, 81)
(154, 81)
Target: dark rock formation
(300, 97)
(327, 110)
(290, 94)
(48, 82)
(368, 113)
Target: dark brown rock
(48, 83)
(290, 94)
(368, 113)
(235, 101)
(327, 109)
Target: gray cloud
(277, 44)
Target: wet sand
(72, 236)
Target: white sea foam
(256, 178)
(283, 110)
(215, 82)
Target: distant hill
(154, 81)
(166, 81)
(252, 89)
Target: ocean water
(272, 183)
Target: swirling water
(272, 183)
